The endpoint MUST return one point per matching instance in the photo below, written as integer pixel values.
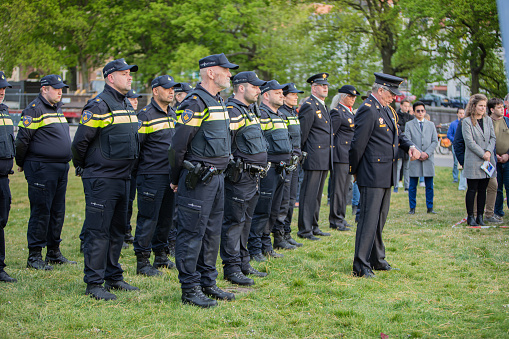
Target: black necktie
(421, 123)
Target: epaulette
(307, 102)
(366, 104)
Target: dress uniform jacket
(317, 134)
(477, 142)
(425, 141)
(375, 145)
(343, 127)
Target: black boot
(195, 296)
(6, 278)
(217, 293)
(143, 265)
(128, 237)
(480, 220)
(272, 254)
(291, 241)
(171, 248)
(280, 242)
(99, 292)
(471, 221)
(161, 260)
(54, 256)
(35, 260)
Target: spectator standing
(403, 159)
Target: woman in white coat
(479, 137)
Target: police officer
(43, 151)
(291, 100)
(105, 148)
(272, 185)
(133, 97)
(155, 198)
(181, 90)
(6, 161)
(199, 154)
(316, 127)
(372, 158)
(343, 123)
(249, 149)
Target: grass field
(453, 282)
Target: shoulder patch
(27, 120)
(86, 116)
(187, 115)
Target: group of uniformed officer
(211, 176)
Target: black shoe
(239, 278)
(6, 278)
(343, 228)
(431, 211)
(251, 271)
(346, 224)
(272, 254)
(281, 243)
(320, 233)
(412, 211)
(365, 273)
(309, 237)
(471, 221)
(35, 261)
(258, 257)
(386, 268)
(291, 241)
(125, 245)
(54, 256)
(144, 267)
(194, 296)
(119, 285)
(161, 260)
(480, 220)
(99, 292)
(217, 293)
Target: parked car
(459, 102)
(432, 99)
(405, 95)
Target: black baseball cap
(118, 65)
(249, 77)
(53, 80)
(165, 81)
(216, 60)
(390, 81)
(349, 89)
(183, 87)
(271, 85)
(320, 78)
(133, 94)
(290, 88)
(3, 81)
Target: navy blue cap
(290, 88)
(249, 77)
(320, 78)
(53, 80)
(216, 60)
(133, 94)
(165, 81)
(118, 65)
(3, 81)
(183, 87)
(349, 89)
(390, 81)
(271, 85)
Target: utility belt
(236, 167)
(199, 172)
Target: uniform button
(347, 142)
(319, 146)
(393, 145)
(387, 130)
(378, 159)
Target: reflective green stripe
(156, 125)
(103, 120)
(44, 120)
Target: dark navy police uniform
(105, 147)
(43, 150)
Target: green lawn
(454, 282)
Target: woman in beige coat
(479, 138)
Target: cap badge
(169, 79)
(3, 77)
(354, 92)
(124, 62)
(324, 75)
(59, 79)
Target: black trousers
(369, 247)
(340, 186)
(309, 201)
(476, 186)
(5, 206)
(47, 185)
(266, 211)
(291, 191)
(240, 201)
(104, 227)
(132, 196)
(199, 221)
(155, 212)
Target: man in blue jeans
(451, 132)
(501, 127)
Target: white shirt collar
(319, 100)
